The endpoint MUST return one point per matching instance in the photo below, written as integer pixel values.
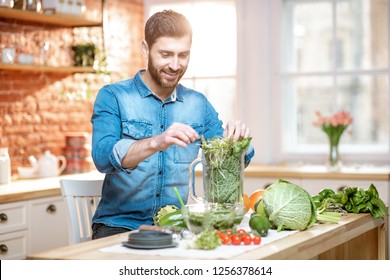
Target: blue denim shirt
(128, 111)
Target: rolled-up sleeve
(106, 130)
(118, 153)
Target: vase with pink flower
(334, 127)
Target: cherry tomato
(241, 231)
(236, 240)
(229, 232)
(221, 234)
(226, 240)
(256, 240)
(247, 239)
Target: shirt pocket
(189, 153)
(136, 130)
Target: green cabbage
(289, 206)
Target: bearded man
(147, 131)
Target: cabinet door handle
(3, 217)
(51, 209)
(3, 249)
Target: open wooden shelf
(67, 20)
(49, 69)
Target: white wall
(255, 74)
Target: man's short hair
(167, 23)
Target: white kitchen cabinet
(31, 226)
(13, 246)
(13, 230)
(48, 228)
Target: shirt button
(161, 126)
(157, 195)
(160, 172)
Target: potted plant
(84, 54)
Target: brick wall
(38, 109)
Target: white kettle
(49, 165)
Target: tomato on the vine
(221, 234)
(226, 240)
(247, 239)
(236, 240)
(236, 237)
(256, 240)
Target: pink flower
(335, 125)
(342, 118)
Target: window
(335, 56)
(213, 64)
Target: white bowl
(26, 172)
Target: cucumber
(259, 224)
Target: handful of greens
(223, 168)
(206, 240)
(352, 200)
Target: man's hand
(236, 130)
(177, 134)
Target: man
(146, 131)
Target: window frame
(356, 154)
(259, 92)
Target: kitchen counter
(25, 189)
(316, 172)
(356, 236)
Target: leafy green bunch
(224, 158)
(206, 240)
(352, 200)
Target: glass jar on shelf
(5, 166)
(19, 4)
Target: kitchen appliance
(218, 185)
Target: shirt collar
(145, 91)
(173, 95)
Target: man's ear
(145, 49)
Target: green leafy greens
(206, 240)
(224, 157)
(352, 200)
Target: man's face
(168, 60)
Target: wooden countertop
(19, 190)
(318, 172)
(316, 242)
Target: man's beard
(158, 79)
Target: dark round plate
(147, 239)
(148, 247)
